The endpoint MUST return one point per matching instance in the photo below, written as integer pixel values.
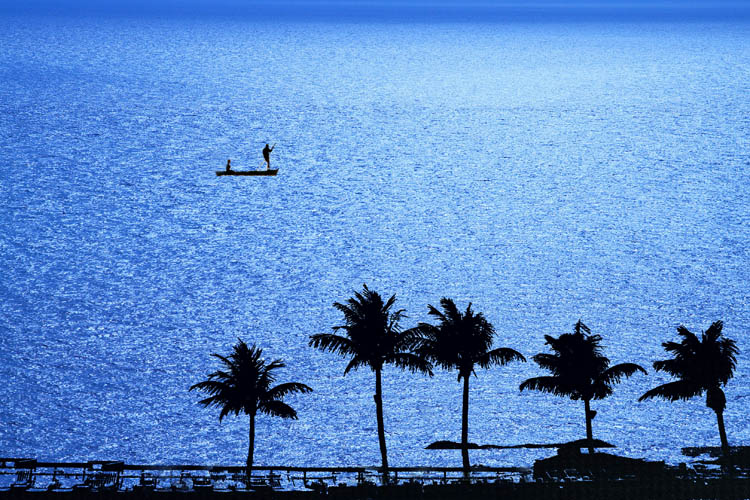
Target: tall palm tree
(579, 371)
(244, 385)
(700, 365)
(372, 337)
(462, 341)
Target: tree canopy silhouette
(579, 371)
(372, 337)
(700, 365)
(244, 385)
(462, 341)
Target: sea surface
(543, 171)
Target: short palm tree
(372, 337)
(245, 385)
(700, 365)
(462, 341)
(579, 371)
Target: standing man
(229, 165)
(267, 155)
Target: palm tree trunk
(722, 434)
(251, 446)
(465, 429)
(381, 424)
(589, 430)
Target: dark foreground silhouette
(462, 341)
(579, 443)
(372, 338)
(567, 475)
(244, 384)
(622, 489)
(579, 371)
(701, 366)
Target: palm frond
(281, 390)
(214, 401)
(408, 340)
(551, 341)
(675, 367)
(552, 385)
(424, 335)
(616, 373)
(689, 339)
(273, 365)
(714, 331)
(277, 408)
(333, 343)
(500, 356)
(226, 409)
(394, 319)
(727, 360)
(673, 391)
(389, 303)
(412, 362)
(355, 363)
(550, 362)
(226, 361)
(450, 310)
(433, 311)
(211, 386)
(597, 390)
(580, 328)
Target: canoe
(247, 172)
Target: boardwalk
(24, 478)
(29, 474)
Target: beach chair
(216, 475)
(238, 481)
(24, 480)
(147, 482)
(100, 481)
(274, 480)
(55, 484)
(202, 483)
(182, 484)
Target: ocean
(546, 172)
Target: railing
(103, 475)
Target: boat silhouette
(247, 172)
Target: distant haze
(388, 8)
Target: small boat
(247, 172)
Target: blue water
(545, 172)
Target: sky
(446, 8)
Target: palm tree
(244, 385)
(700, 366)
(462, 341)
(579, 371)
(372, 337)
